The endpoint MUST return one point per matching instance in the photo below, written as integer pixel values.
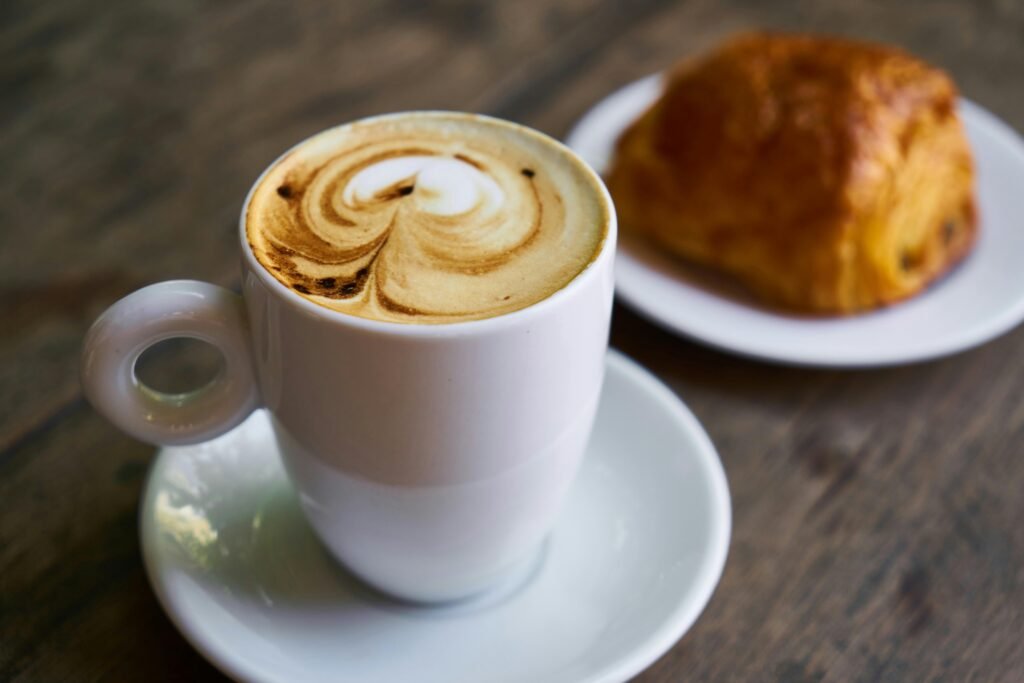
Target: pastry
(827, 175)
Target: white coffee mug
(430, 459)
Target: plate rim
(1004, 137)
(696, 446)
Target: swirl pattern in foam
(430, 217)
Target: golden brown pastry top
(816, 110)
(775, 150)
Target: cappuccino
(428, 218)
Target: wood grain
(877, 514)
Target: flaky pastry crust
(827, 175)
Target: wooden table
(879, 515)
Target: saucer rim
(687, 612)
(692, 600)
(590, 126)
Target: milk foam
(445, 187)
(427, 218)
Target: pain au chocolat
(827, 175)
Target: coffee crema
(429, 217)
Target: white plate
(979, 300)
(633, 560)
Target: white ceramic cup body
(430, 459)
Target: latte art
(447, 187)
(427, 218)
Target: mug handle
(178, 308)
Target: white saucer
(979, 300)
(633, 560)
